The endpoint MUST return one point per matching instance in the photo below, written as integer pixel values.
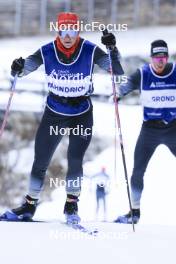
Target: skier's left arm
(23, 67)
(101, 58)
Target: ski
(23, 221)
(75, 226)
(83, 229)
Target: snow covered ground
(56, 243)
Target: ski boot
(23, 213)
(71, 209)
(127, 219)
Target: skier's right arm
(133, 83)
(23, 67)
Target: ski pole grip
(105, 32)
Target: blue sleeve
(133, 83)
(32, 62)
(101, 58)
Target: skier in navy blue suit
(157, 84)
(101, 179)
(68, 62)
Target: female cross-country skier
(69, 62)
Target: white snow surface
(56, 243)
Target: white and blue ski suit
(158, 98)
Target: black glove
(112, 99)
(108, 40)
(17, 66)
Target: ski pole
(12, 90)
(119, 130)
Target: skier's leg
(45, 144)
(146, 144)
(145, 147)
(76, 151)
(170, 139)
(104, 206)
(78, 145)
(97, 206)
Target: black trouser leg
(145, 147)
(78, 145)
(170, 139)
(45, 145)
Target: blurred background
(24, 27)
(22, 17)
